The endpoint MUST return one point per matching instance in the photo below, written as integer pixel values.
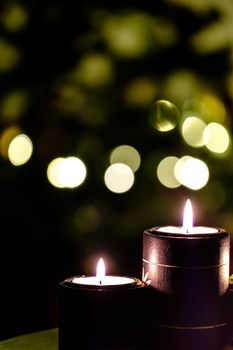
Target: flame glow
(100, 271)
(188, 217)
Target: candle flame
(100, 271)
(188, 217)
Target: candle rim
(136, 283)
(179, 235)
(131, 279)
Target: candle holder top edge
(135, 284)
(155, 231)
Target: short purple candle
(101, 312)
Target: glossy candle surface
(188, 269)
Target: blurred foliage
(80, 79)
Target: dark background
(48, 234)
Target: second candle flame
(188, 217)
(100, 271)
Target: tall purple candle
(189, 272)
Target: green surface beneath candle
(45, 340)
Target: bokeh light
(126, 154)
(67, 172)
(216, 138)
(191, 172)
(119, 178)
(165, 172)
(214, 107)
(9, 56)
(71, 172)
(140, 92)
(13, 105)
(164, 115)
(229, 83)
(128, 35)
(20, 150)
(181, 85)
(82, 105)
(192, 131)
(72, 98)
(14, 17)
(193, 107)
(179, 166)
(53, 171)
(6, 137)
(94, 70)
(211, 38)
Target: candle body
(101, 317)
(189, 276)
(230, 311)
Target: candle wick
(100, 282)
